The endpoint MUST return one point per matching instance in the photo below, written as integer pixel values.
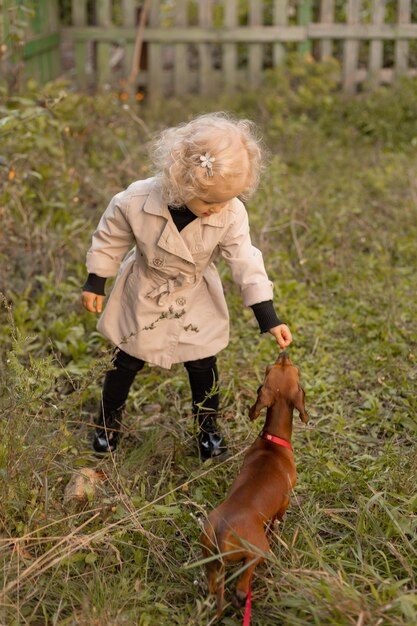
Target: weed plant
(336, 218)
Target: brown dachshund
(235, 530)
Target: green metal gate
(29, 41)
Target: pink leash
(248, 605)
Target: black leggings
(202, 373)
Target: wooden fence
(171, 47)
(209, 45)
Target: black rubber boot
(210, 440)
(107, 433)
(204, 379)
(117, 383)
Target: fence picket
(155, 70)
(230, 53)
(53, 27)
(351, 49)
(402, 46)
(129, 21)
(103, 8)
(181, 72)
(279, 18)
(205, 71)
(255, 56)
(304, 17)
(326, 17)
(376, 49)
(43, 18)
(79, 18)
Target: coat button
(181, 301)
(158, 261)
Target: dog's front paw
(239, 598)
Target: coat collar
(191, 240)
(170, 239)
(218, 219)
(155, 206)
(153, 203)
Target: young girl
(167, 304)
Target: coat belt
(169, 286)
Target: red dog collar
(280, 442)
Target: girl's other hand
(282, 334)
(92, 302)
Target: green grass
(336, 218)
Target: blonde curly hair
(233, 143)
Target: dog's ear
(299, 404)
(264, 400)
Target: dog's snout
(284, 358)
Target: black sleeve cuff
(95, 284)
(265, 315)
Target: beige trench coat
(167, 304)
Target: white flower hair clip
(207, 161)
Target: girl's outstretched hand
(282, 334)
(92, 302)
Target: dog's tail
(220, 590)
